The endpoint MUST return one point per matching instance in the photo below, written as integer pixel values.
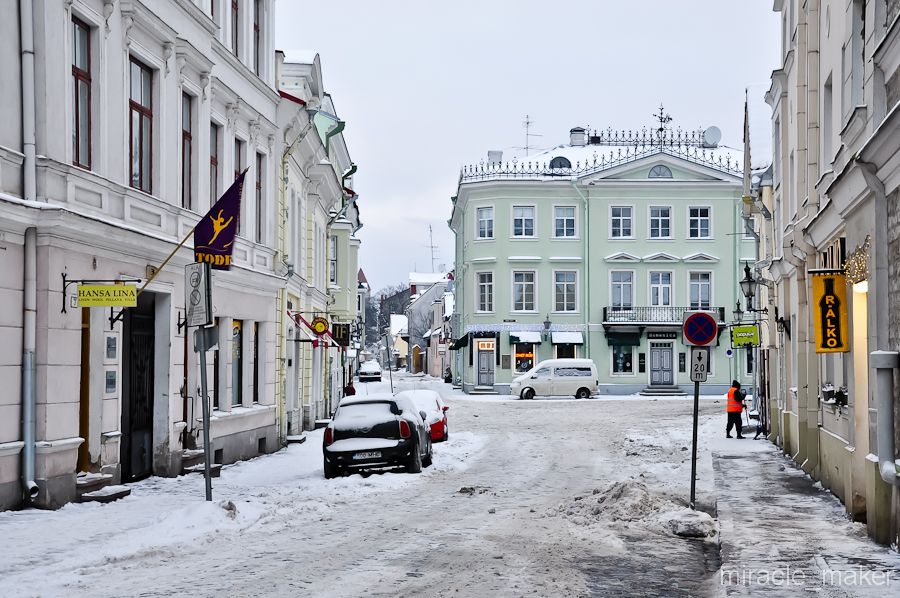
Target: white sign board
(699, 364)
(198, 294)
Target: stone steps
(651, 391)
(86, 483)
(105, 494)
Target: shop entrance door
(661, 370)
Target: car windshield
(360, 415)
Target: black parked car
(375, 431)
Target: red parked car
(430, 402)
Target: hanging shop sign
(107, 295)
(745, 336)
(830, 305)
(341, 334)
(662, 335)
(319, 325)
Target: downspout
(29, 330)
(29, 333)
(334, 131)
(884, 363)
(587, 272)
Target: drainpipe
(884, 363)
(587, 272)
(334, 131)
(29, 331)
(26, 14)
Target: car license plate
(368, 455)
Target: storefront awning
(525, 337)
(567, 338)
(459, 343)
(623, 339)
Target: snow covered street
(538, 498)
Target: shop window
(622, 360)
(524, 357)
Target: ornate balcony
(651, 316)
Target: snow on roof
(300, 56)
(399, 323)
(759, 120)
(426, 277)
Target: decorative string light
(857, 267)
(523, 328)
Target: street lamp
(738, 312)
(547, 324)
(748, 285)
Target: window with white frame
(700, 290)
(485, 291)
(485, 218)
(620, 224)
(699, 223)
(661, 289)
(523, 291)
(564, 291)
(749, 226)
(564, 221)
(621, 288)
(660, 222)
(523, 221)
(332, 260)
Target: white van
(558, 378)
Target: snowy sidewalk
(782, 535)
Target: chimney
(495, 157)
(578, 137)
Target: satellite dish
(711, 137)
(442, 268)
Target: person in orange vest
(735, 408)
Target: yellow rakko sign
(830, 305)
(107, 295)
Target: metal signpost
(198, 300)
(700, 331)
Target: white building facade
(145, 113)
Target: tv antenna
(527, 124)
(431, 246)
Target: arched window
(560, 162)
(660, 172)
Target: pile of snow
(626, 501)
(692, 524)
(630, 505)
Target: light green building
(595, 249)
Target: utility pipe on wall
(29, 333)
(29, 330)
(884, 363)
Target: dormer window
(560, 162)
(660, 172)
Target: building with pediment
(595, 249)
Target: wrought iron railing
(601, 161)
(652, 315)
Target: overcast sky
(426, 87)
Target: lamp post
(738, 313)
(547, 324)
(749, 286)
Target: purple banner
(214, 234)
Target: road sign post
(198, 305)
(701, 330)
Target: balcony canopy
(525, 337)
